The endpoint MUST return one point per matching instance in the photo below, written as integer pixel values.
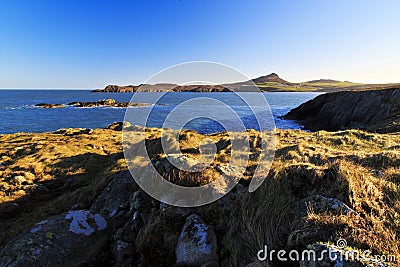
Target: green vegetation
(310, 86)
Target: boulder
(197, 243)
(75, 237)
(118, 126)
(69, 238)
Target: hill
(268, 83)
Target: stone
(122, 251)
(197, 243)
(118, 126)
(141, 201)
(75, 237)
(58, 240)
(320, 204)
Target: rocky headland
(372, 110)
(268, 83)
(101, 103)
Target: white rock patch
(80, 225)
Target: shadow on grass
(77, 180)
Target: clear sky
(89, 44)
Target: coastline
(315, 193)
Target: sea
(18, 112)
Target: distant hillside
(324, 81)
(273, 77)
(268, 83)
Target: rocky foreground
(374, 110)
(68, 199)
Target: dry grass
(359, 168)
(59, 171)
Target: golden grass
(359, 168)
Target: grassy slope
(359, 168)
(321, 86)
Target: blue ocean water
(19, 114)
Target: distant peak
(273, 77)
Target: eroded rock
(46, 105)
(77, 236)
(197, 243)
(58, 240)
(118, 126)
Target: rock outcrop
(373, 110)
(118, 126)
(73, 237)
(46, 105)
(101, 103)
(162, 88)
(197, 244)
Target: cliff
(373, 110)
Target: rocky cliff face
(374, 110)
(162, 88)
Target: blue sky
(89, 44)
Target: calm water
(18, 113)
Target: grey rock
(122, 251)
(320, 204)
(141, 201)
(75, 237)
(58, 240)
(118, 126)
(197, 243)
